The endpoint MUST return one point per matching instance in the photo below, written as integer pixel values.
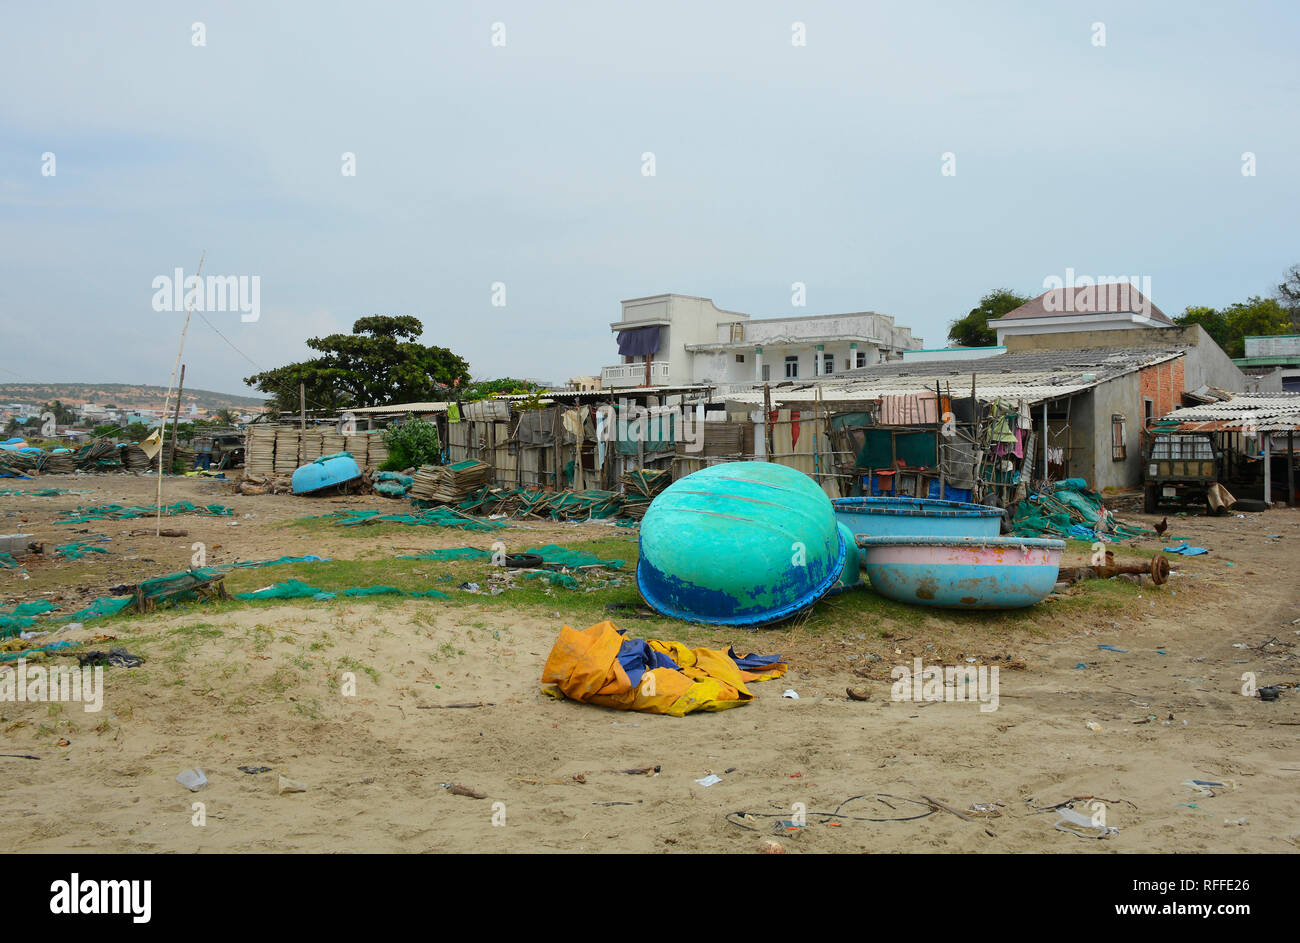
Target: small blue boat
(328, 471)
(916, 517)
(963, 572)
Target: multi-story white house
(677, 340)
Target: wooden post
(176, 419)
(1267, 439)
(767, 422)
(1290, 467)
(302, 404)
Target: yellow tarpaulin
(593, 666)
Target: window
(740, 358)
(737, 333)
(1148, 412)
(767, 371)
(1118, 438)
(792, 368)
(862, 358)
(828, 364)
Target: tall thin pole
(176, 418)
(302, 406)
(167, 402)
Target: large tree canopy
(1230, 326)
(379, 363)
(973, 330)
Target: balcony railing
(633, 374)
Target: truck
(1178, 467)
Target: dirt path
(260, 686)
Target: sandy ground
(259, 686)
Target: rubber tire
(524, 561)
(1150, 500)
(1253, 505)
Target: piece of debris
(1080, 825)
(117, 657)
(192, 779)
(858, 694)
(254, 770)
(640, 771)
(285, 784)
(710, 780)
(771, 847)
(456, 789)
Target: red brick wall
(1163, 384)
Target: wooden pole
(176, 419)
(1290, 468)
(767, 422)
(189, 309)
(302, 405)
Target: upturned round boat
(328, 471)
(742, 543)
(963, 572)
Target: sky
(503, 144)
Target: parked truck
(1178, 468)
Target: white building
(679, 340)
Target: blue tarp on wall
(638, 341)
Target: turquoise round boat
(851, 575)
(963, 572)
(328, 471)
(916, 517)
(741, 543)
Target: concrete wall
(1121, 396)
(1205, 361)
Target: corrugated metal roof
(1263, 412)
(1033, 375)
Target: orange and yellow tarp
(601, 665)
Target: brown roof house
(1109, 306)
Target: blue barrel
(916, 517)
(742, 543)
(327, 471)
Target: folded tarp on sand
(600, 665)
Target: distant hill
(122, 395)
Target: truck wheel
(1149, 500)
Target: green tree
(63, 415)
(1230, 326)
(483, 389)
(379, 363)
(1288, 295)
(411, 443)
(135, 432)
(1256, 317)
(973, 330)
(1215, 324)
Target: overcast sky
(522, 164)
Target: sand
(260, 686)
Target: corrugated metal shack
(576, 439)
(982, 430)
(1257, 430)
